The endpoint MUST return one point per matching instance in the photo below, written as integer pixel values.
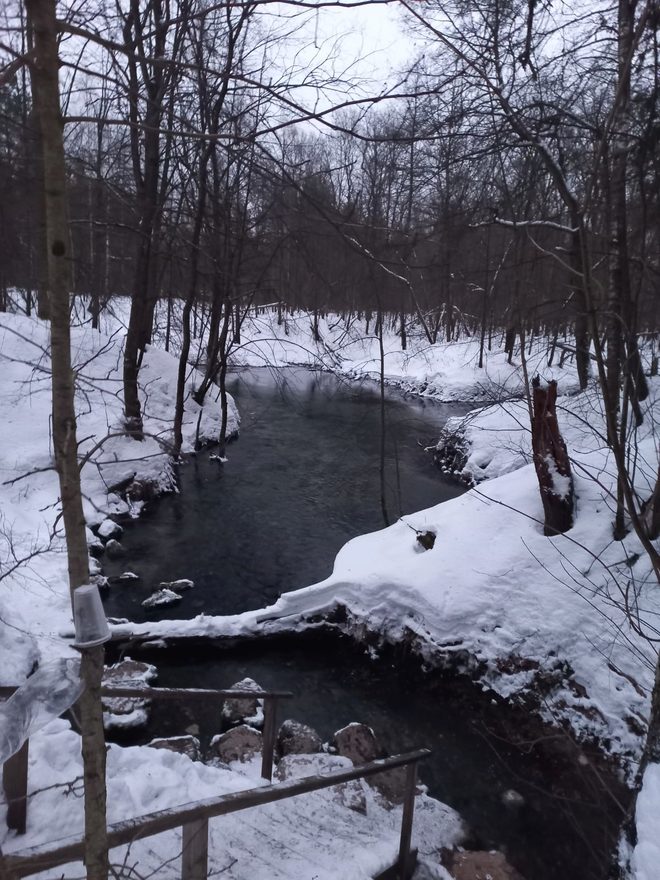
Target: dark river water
(301, 481)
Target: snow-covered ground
(34, 598)
(563, 619)
(283, 841)
(444, 371)
(290, 840)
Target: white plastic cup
(89, 617)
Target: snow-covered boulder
(295, 738)
(125, 577)
(248, 709)
(351, 794)
(358, 742)
(127, 712)
(95, 546)
(184, 745)
(238, 744)
(109, 529)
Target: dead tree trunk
(551, 461)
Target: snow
(444, 371)
(283, 841)
(493, 596)
(646, 854)
(34, 600)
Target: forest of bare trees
(474, 201)
(508, 186)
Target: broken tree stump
(553, 467)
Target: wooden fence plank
(187, 693)
(15, 782)
(72, 849)
(195, 850)
(407, 822)
(268, 740)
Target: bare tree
(44, 70)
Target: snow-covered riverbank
(558, 620)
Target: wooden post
(270, 713)
(5, 874)
(15, 780)
(407, 821)
(195, 850)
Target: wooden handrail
(270, 699)
(189, 693)
(41, 858)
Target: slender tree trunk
(381, 467)
(45, 88)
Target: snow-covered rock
(185, 745)
(161, 599)
(357, 742)
(125, 577)
(179, 586)
(238, 744)
(109, 529)
(248, 709)
(127, 712)
(295, 738)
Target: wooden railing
(194, 819)
(15, 769)
(270, 699)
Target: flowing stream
(301, 481)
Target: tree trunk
(381, 466)
(551, 461)
(45, 89)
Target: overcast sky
(365, 46)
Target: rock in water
(482, 866)
(185, 745)
(127, 712)
(109, 529)
(349, 794)
(243, 708)
(179, 586)
(161, 599)
(295, 738)
(114, 549)
(358, 742)
(238, 744)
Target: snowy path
(310, 836)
